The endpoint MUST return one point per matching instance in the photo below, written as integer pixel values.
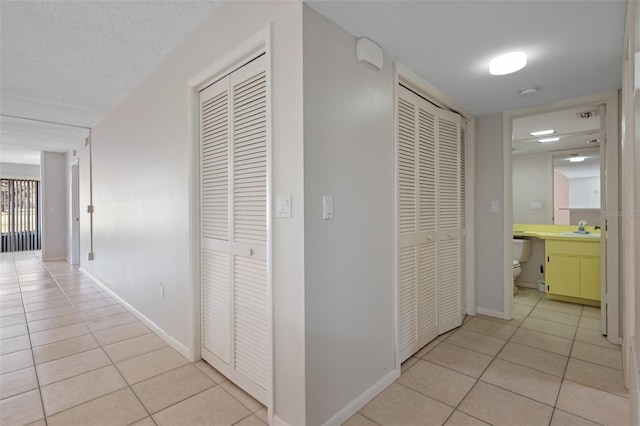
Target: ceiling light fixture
(528, 91)
(507, 63)
(546, 140)
(576, 159)
(543, 132)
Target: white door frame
(249, 49)
(75, 212)
(610, 100)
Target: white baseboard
(182, 349)
(356, 405)
(277, 421)
(54, 259)
(491, 313)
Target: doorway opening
(75, 214)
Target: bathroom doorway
(540, 142)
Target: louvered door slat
(428, 183)
(406, 168)
(216, 309)
(448, 285)
(448, 171)
(407, 298)
(427, 296)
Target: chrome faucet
(581, 229)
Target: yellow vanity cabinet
(573, 270)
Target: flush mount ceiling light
(507, 63)
(547, 140)
(543, 132)
(528, 91)
(576, 159)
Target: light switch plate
(327, 207)
(495, 206)
(283, 206)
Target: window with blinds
(20, 215)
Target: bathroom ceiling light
(546, 140)
(507, 63)
(543, 132)
(576, 159)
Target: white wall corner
(491, 313)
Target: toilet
(521, 252)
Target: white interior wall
(19, 171)
(489, 225)
(584, 192)
(141, 179)
(531, 176)
(70, 158)
(348, 154)
(54, 206)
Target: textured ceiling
(574, 47)
(72, 61)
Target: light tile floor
(71, 355)
(548, 366)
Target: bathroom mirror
(576, 187)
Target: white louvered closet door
(449, 221)
(430, 216)
(235, 335)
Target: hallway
(71, 353)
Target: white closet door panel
(407, 300)
(427, 166)
(463, 176)
(216, 304)
(448, 173)
(214, 137)
(448, 285)
(407, 184)
(250, 319)
(427, 294)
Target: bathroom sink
(575, 234)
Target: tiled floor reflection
(548, 366)
(71, 355)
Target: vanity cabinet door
(590, 278)
(563, 275)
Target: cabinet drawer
(586, 248)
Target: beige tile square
(556, 305)
(83, 290)
(408, 363)
(15, 361)
(459, 359)
(118, 408)
(522, 310)
(429, 380)
(596, 376)
(591, 312)
(14, 344)
(17, 382)
(123, 332)
(41, 422)
(242, 397)
(458, 418)
(611, 358)
(590, 323)
(555, 316)
(13, 331)
(593, 404)
(213, 406)
(562, 418)
(250, 421)
(524, 381)
(545, 342)
(63, 368)
(50, 313)
(111, 321)
(85, 306)
(211, 372)
(57, 334)
(49, 304)
(500, 407)
(13, 320)
(426, 348)
(525, 300)
(147, 421)
(56, 322)
(544, 361)
(398, 405)
(359, 420)
(164, 390)
(263, 415)
(68, 393)
(145, 366)
(64, 348)
(101, 312)
(134, 347)
(21, 409)
(550, 327)
(28, 300)
(477, 342)
(88, 297)
(10, 303)
(594, 337)
(490, 328)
